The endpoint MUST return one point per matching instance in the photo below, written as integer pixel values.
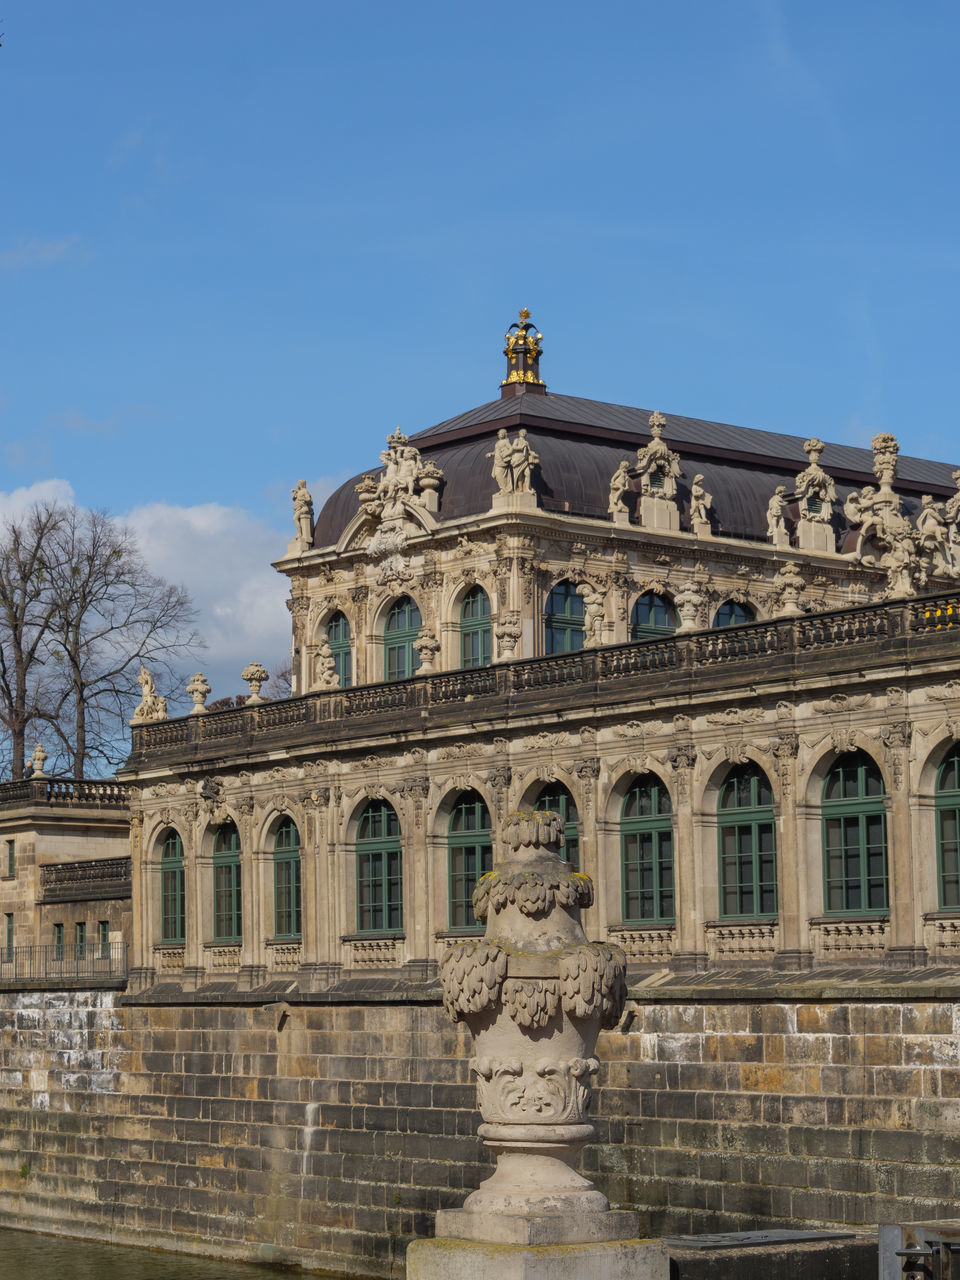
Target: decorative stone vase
(535, 994)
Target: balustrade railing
(778, 637)
(51, 964)
(78, 792)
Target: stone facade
(329, 1134)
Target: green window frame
(58, 941)
(855, 877)
(947, 804)
(338, 637)
(401, 630)
(555, 797)
(103, 939)
(646, 853)
(732, 613)
(379, 870)
(470, 851)
(11, 857)
(227, 885)
(80, 937)
(563, 619)
(476, 633)
(8, 939)
(652, 617)
(287, 881)
(172, 890)
(747, 845)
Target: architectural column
(418, 872)
(253, 970)
(793, 950)
(142, 972)
(689, 949)
(906, 938)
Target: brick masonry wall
(329, 1134)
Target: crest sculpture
(535, 993)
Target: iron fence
(53, 964)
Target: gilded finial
(523, 351)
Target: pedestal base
(814, 535)
(538, 1228)
(443, 1259)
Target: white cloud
(39, 253)
(222, 556)
(13, 503)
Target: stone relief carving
(736, 716)
(839, 702)
(638, 729)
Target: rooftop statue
(657, 465)
(303, 512)
(513, 462)
(151, 705)
(815, 490)
(406, 480)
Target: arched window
(557, 798)
(748, 846)
(563, 621)
(227, 895)
(948, 829)
(172, 890)
(854, 836)
(287, 899)
(651, 617)
(475, 632)
(379, 880)
(471, 855)
(403, 628)
(732, 613)
(646, 852)
(338, 636)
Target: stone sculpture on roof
(406, 480)
(700, 504)
(776, 525)
(151, 705)
(303, 512)
(657, 465)
(619, 488)
(513, 463)
(815, 490)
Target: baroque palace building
(727, 657)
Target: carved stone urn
(535, 994)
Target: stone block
(444, 1259)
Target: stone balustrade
(781, 643)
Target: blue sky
(240, 243)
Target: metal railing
(782, 638)
(53, 964)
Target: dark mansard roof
(581, 442)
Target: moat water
(23, 1254)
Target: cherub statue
(700, 502)
(619, 488)
(776, 525)
(151, 706)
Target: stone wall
(329, 1134)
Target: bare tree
(109, 615)
(26, 613)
